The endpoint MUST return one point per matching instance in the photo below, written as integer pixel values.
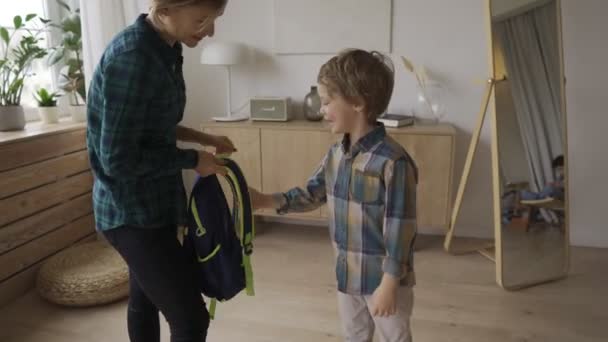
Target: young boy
(369, 184)
(553, 189)
(510, 201)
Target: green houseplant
(21, 48)
(47, 105)
(69, 52)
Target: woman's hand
(208, 165)
(222, 144)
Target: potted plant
(21, 48)
(69, 51)
(47, 106)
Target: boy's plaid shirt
(371, 196)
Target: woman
(136, 99)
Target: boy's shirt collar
(366, 142)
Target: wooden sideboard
(45, 200)
(278, 156)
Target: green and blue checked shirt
(136, 99)
(371, 196)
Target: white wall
(456, 56)
(586, 53)
(450, 40)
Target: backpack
(223, 256)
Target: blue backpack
(219, 240)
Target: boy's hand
(259, 200)
(262, 201)
(384, 299)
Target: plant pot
(78, 113)
(49, 115)
(12, 118)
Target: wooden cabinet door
(248, 155)
(289, 158)
(433, 156)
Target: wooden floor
(456, 301)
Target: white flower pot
(49, 115)
(12, 118)
(78, 113)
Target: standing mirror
(530, 145)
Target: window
(43, 75)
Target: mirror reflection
(531, 141)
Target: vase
(78, 113)
(430, 102)
(312, 105)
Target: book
(396, 120)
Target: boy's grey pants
(358, 324)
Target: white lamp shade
(223, 53)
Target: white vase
(49, 115)
(78, 113)
(430, 102)
(12, 118)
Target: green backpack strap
(212, 307)
(246, 233)
(247, 266)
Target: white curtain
(55, 12)
(530, 43)
(101, 21)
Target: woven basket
(85, 275)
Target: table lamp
(225, 54)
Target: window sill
(38, 129)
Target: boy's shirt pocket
(366, 187)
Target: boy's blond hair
(360, 75)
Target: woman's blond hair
(157, 5)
